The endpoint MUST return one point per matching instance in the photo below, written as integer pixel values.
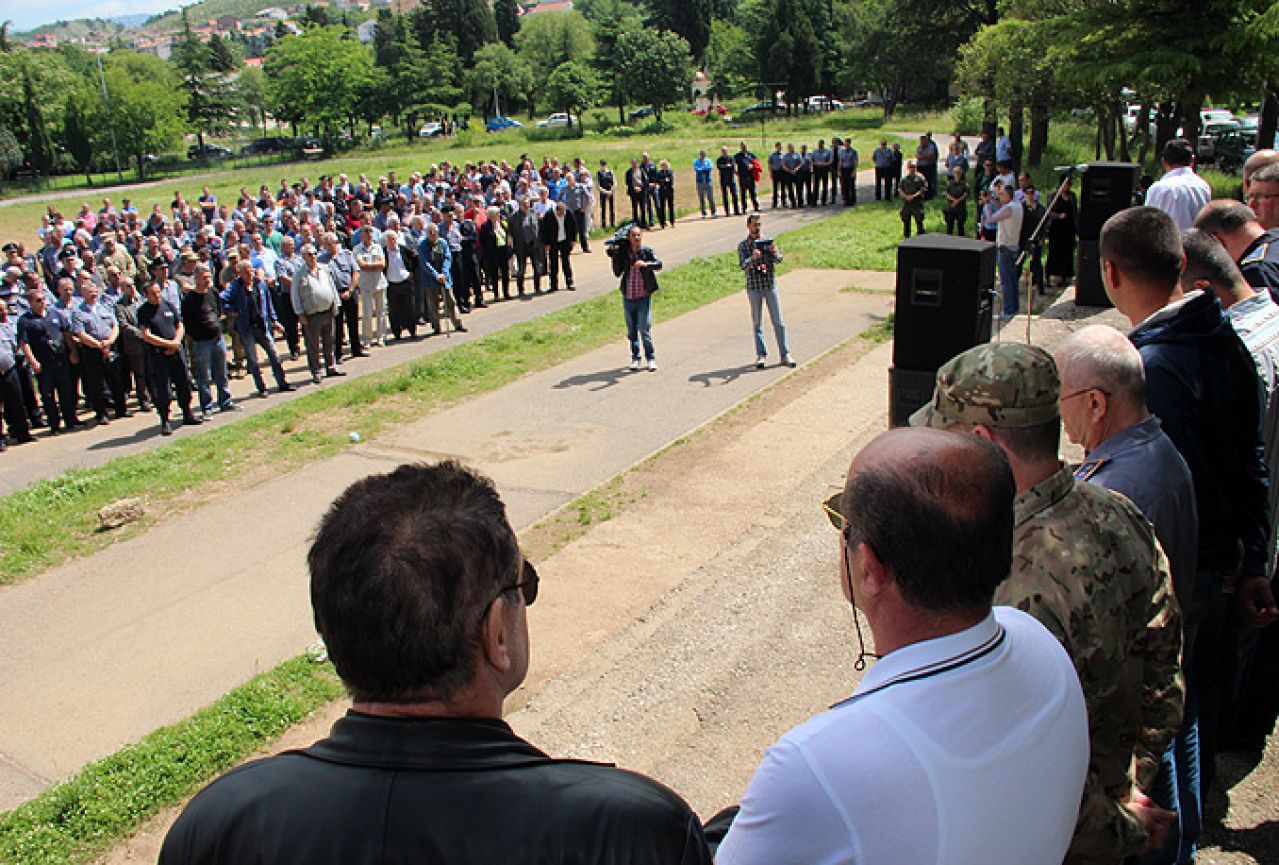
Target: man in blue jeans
(256, 323)
(758, 258)
(636, 265)
(202, 319)
(1008, 240)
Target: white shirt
(968, 748)
(1008, 218)
(395, 269)
(1181, 194)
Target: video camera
(618, 240)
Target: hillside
(207, 10)
(79, 28)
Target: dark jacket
(550, 228)
(236, 299)
(622, 260)
(1203, 386)
(456, 791)
(521, 239)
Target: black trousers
(608, 212)
(776, 177)
(848, 182)
(131, 369)
(529, 257)
(821, 185)
(169, 375)
(955, 219)
(919, 223)
(788, 189)
(350, 314)
(579, 217)
(930, 175)
(283, 301)
(666, 206)
(806, 195)
(558, 255)
(747, 183)
(15, 410)
(639, 208)
(99, 379)
(26, 382)
(499, 270)
(58, 391)
(726, 188)
(401, 309)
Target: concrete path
(99, 652)
(50, 456)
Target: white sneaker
(635, 365)
(788, 360)
(760, 362)
(652, 365)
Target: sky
(26, 15)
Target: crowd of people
(330, 269)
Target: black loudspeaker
(1106, 189)
(945, 292)
(908, 391)
(1089, 289)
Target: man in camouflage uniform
(1086, 564)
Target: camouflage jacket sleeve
(1163, 689)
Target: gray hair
(1224, 215)
(1100, 356)
(1267, 174)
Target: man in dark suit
(524, 231)
(559, 232)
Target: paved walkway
(50, 456)
(99, 652)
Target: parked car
(431, 129)
(642, 112)
(824, 103)
(559, 119)
(208, 151)
(1215, 115)
(272, 144)
(712, 109)
(497, 124)
(1205, 148)
(763, 108)
(1250, 128)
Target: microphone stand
(1036, 236)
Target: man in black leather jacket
(419, 589)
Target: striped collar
(930, 658)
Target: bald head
(936, 507)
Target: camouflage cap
(1003, 384)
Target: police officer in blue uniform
(15, 410)
(96, 330)
(44, 334)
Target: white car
(559, 119)
(1214, 115)
(432, 129)
(824, 103)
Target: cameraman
(758, 257)
(637, 267)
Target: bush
(554, 133)
(653, 126)
(967, 115)
(469, 138)
(1223, 185)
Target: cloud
(33, 15)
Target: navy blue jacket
(1203, 386)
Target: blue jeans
(208, 357)
(758, 299)
(706, 196)
(639, 325)
(1007, 263)
(252, 342)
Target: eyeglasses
(1081, 391)
(527, 586)
(1262, 196)
(831, 507)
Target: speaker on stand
(1106, 189)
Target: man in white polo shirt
(968, 741)
(1180, 193)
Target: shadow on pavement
(151, 431)
(605, 378)
(721, 376)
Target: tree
(147, 107)
(316, 16)
(210, 99)
(655, 66)
(469, 22)
(506, 16)
(250, 88)
(571, 87)
(10, 152)
(315, 78)
(77, 132)
(689, 18)
(550, 39)
(499, 75)
(788, 48)
(4, 37)
(223, 55)
(39, 146)
(730, 58)
(609, 19)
